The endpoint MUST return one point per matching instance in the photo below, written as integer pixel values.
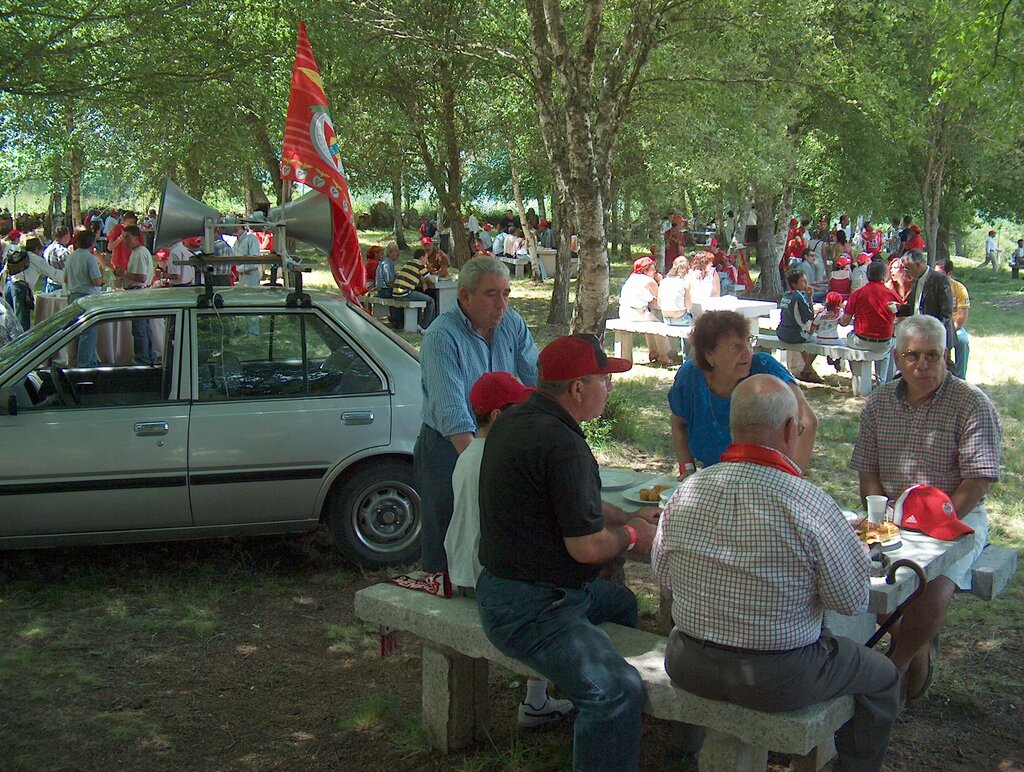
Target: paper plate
(614, 480)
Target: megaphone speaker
(181, 216)
(307, 218)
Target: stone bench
(411, 308)
(517, 265)
(455, 698)
(992, 571)
(624, 332)
(859, 359)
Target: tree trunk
(695, 218)
(531, 237)
(614, 228)
(769, 249)
(593, 285)
(77, 164)
(931, 180)
(558, 308)
(627, 226)
(542, 211)
(396, 207)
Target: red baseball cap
(929, 510)
(426, 241)
(833, 299)
(863, 258)
(13, 234)
(577, 356)
(488, 226)
(493, 391)
(843, 261)
(543, 224)
(915, 228)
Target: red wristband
(689, 466)
(632, 536)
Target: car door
(96, 449)
(280, 397)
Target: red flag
(311, 156)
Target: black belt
(873, 340)
(732, 649)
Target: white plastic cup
(876, 508)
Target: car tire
(375, 515)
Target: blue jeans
(433, 461)
(142, 343)
(961, 352)
(427, 315)
(553, 631)
(86, 356)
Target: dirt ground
(247, 655)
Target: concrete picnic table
(933, 555)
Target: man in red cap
(931, 428)
(490, 397)
(11, 240)
(544, 534)
(545, 236)
(914, 240)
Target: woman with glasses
(701, 396)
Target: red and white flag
(311, 156)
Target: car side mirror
(8, 403)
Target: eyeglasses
(913, 357)
(735, 348)
(606, 379)
(799, 426)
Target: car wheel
(375, 515)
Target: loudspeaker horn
(181, 216)
(307, 218)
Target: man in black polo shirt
(544, 534)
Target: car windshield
(49, 327)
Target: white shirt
(56, 254)
(636, 292)
(248, 273)
(179, 274)
(462, 542)
(672, 293)
(990, 245)
(140, 261)
(472, 224)
(109, 223)
(37, 267)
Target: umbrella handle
(890, 578)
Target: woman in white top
(637, 301)
(702, 280)
(672, 294)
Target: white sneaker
(552, 710)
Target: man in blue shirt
(480, 334)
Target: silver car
(257, 415)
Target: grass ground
(245, 654)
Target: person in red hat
(929, 428)
(544, 535)
(490, 397)
(872, 311)
(859, 273)
(545, 236)
(11, 240)
(638, 301)
(914, 240)
(754, 554)
(871, 239)
(841, 278)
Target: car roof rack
(210, 298)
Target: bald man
(754, 555)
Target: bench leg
(455, 700)
(411, 320)
(623, 347)
(861, 372)
(816, 759)
(724, 752)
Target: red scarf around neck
(758, 454)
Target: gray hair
(471, 273)
(757, 411)
(920, 325)
(915, 256)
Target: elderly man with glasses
(929, 428)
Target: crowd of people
(513, 514)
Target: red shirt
(871, 317)
(121, 251)
(371, 272)
(915, 242)
(265, 239)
